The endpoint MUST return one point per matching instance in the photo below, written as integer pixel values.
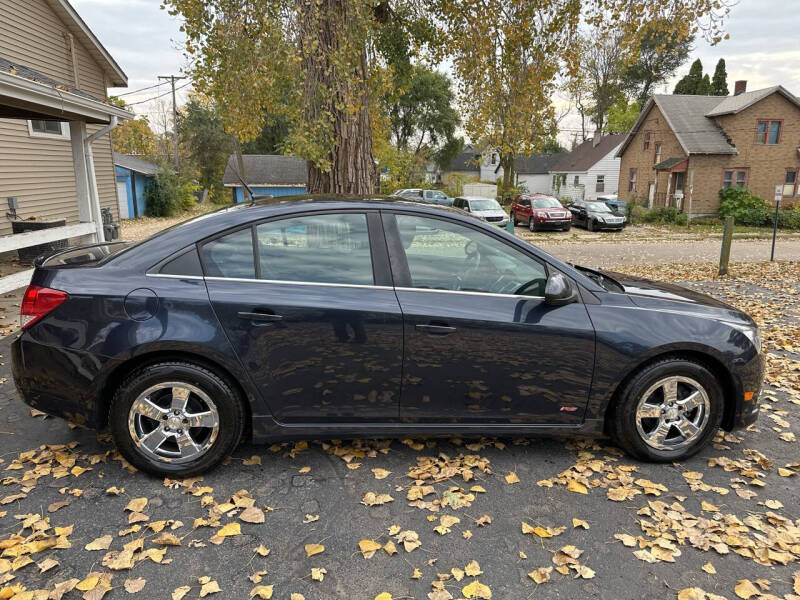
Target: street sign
(778, 192)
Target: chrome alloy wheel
(173, 422)
(673, 413)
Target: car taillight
(37, 302)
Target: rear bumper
(58, 381)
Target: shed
(267, 174)
(134, 176)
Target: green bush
(787, 218)
(661, 214)
(744, 207)
(168, 194)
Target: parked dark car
(539, 212)
(595, 215)
(296, 318)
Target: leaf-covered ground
(436, 519)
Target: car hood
(647, 293)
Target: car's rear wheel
(176, 419)
(668, 411)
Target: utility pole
(173, 79)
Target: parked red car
(540, 211)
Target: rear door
(481, 345)
(307, 303)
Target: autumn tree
(316, 64)
(135, 137)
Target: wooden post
(725, 254)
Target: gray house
(55, 148)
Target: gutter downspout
(93, 194)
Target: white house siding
(539, 183)
(608, 166)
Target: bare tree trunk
(507, 162)
(352, 166)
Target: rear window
(85, 256)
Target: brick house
(683, 149)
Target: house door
(651, 195)
(122, 200)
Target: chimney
(740, 87)
(596, 138)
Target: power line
(160, 95)
(172, 79)
(150, 87)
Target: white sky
(146, 42)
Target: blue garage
(271, 174)
(134, 175)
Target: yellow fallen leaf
(318, 574)
(577, 487)
(134, 585)
(261, 550)
(691, 594)
(745, 589)
(262, 591)
(473, 569)
(383, 596)
(709, 568)
(478, 489)
(580, 523)
(304, 470)
(136, 504)
(381, 473)
(583, 571)
(476, 590)
(512, 478)
(541, 575)
(101, 543)
(255, 459)
(180, 592)
(297, 596)
(417, 574)
(88, 584)
(708, 507)
(312, 549)
(367, 547)
(252, 515)
(210, 587)
(232, 528)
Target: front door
(481, 345)
(300, 302)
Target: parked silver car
(487, 209)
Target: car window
(546, 202)
(484, 204)
(597, 207)
(444, 255)
(437, 195)
(230, 255)
(327, 248)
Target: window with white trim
(48, 128)
(600, 186)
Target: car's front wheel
(531, 224)
(514, 219)
(176, 419)
(668, 411)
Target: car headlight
(601, 219)
(751, 332)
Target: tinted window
(230, 255)
(331, 248)
(597, 207)
(187, 263)
(448, 256)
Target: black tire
(590, 224)
(531, 224)
(567, 227)
(622, 416)
(229, 406)
(514, 219)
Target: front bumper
(553, 223)
(502, 223)
(61, 382)
(609, 226)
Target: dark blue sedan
(303, 317)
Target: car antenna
(249, 190)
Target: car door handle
(437, 329)
(259, 316)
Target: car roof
(475, 198)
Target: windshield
(484, 204)
(548, 202)
(597, 207)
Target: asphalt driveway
(433, 516)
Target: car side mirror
(560, 290)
